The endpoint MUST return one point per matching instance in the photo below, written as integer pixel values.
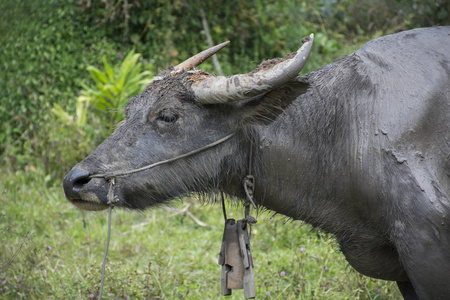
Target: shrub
(103, 101)
(46, 46)
(167, 31)
(115, 86)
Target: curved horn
(197, 59)
(220, 89)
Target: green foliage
(169, 31)
(109, 94)
(46, 46)
(360, 17)
(115, 86)
(103, 102)
(55, 251)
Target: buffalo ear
(265, 109)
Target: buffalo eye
(167, 117)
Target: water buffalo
(359, 148)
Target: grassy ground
(50, 250)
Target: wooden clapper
(236, 259)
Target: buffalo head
(184, 109)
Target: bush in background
(46, 46)
(99, 108)
(115, 86)
(168, 31)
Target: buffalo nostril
(74, 181)
(80, 182)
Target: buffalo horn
(197, 59)
(220, 89)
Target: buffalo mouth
(88, 205)
(84, 192)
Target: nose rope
(116, 174)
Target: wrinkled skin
(360, 148)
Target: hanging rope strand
(224, 210)
(106, 253)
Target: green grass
(50, 250)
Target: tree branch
(210, 42)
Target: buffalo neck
(292, 165)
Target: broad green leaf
(108, 69)
(97, 75)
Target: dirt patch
(198, 76)
(194, 78)
(269, 64)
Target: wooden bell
(236, 259)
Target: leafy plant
(114, 87)
(74, 136)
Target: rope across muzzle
(112, 175)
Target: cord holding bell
(235, 253)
